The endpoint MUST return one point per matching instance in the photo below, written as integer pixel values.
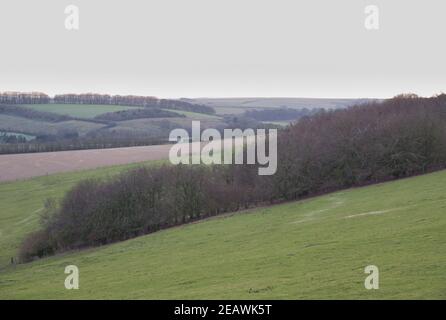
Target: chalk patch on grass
(302, 220)
(310, 215)
(369, 213)
(27, 219)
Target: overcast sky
(224, 48)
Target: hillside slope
(240, 105)
(316, 248)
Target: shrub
(36, 245)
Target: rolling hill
(78, 110)
(315, 248)
(240, 105)
(55, 122)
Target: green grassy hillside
(21, 203)
(77, 110)
(37, 127)
(316, 248)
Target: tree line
(138, 113)
(328, 151)
(67, 140)
(23, 97)
(102, 99)
(131, 100)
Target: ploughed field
(23, 166)
(315, 248)
(28, 165)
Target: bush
(36, 245)
(140, 201)
(363, 144)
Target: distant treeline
(103, 99)
(131, 114)
(142, 201)
(280, 114)
(328, 151)
(11, 139)
(183, 105)
(24, 98)
(72, 141)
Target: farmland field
(38, 127)
(161, 127)
(22, 166)
(77, 110)
(233, 110)
(194, 115)
(239, 105)
(83, 124)
(316, 248)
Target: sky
(224, 48)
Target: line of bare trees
(95, 98)
(101, 99)
(72, 141)
(328, 151)
(24, 98)
(131, 100)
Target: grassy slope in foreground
(316, 248)
(21, 203)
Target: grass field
(77, 110)
(22, 201)
(37, 127)
(316, 248)
(195, 115)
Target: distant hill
(230, 105)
